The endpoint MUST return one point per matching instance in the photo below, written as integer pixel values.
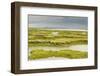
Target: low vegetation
(55, 38)
(70, 54)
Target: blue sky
(58, 22)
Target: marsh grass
(56, 38)
(70, 54)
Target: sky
(58, 22)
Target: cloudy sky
(58, 22)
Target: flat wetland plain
(56, 43)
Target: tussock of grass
(71, 54)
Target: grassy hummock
(70, 54)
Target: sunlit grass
(70, 54)
(43, 37)
(56, 38)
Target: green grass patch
(70, 54)
(44, 37)
(56, 38)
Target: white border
(25, 64)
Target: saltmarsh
(56, 38)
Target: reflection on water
(79, 47)
(82, 47)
